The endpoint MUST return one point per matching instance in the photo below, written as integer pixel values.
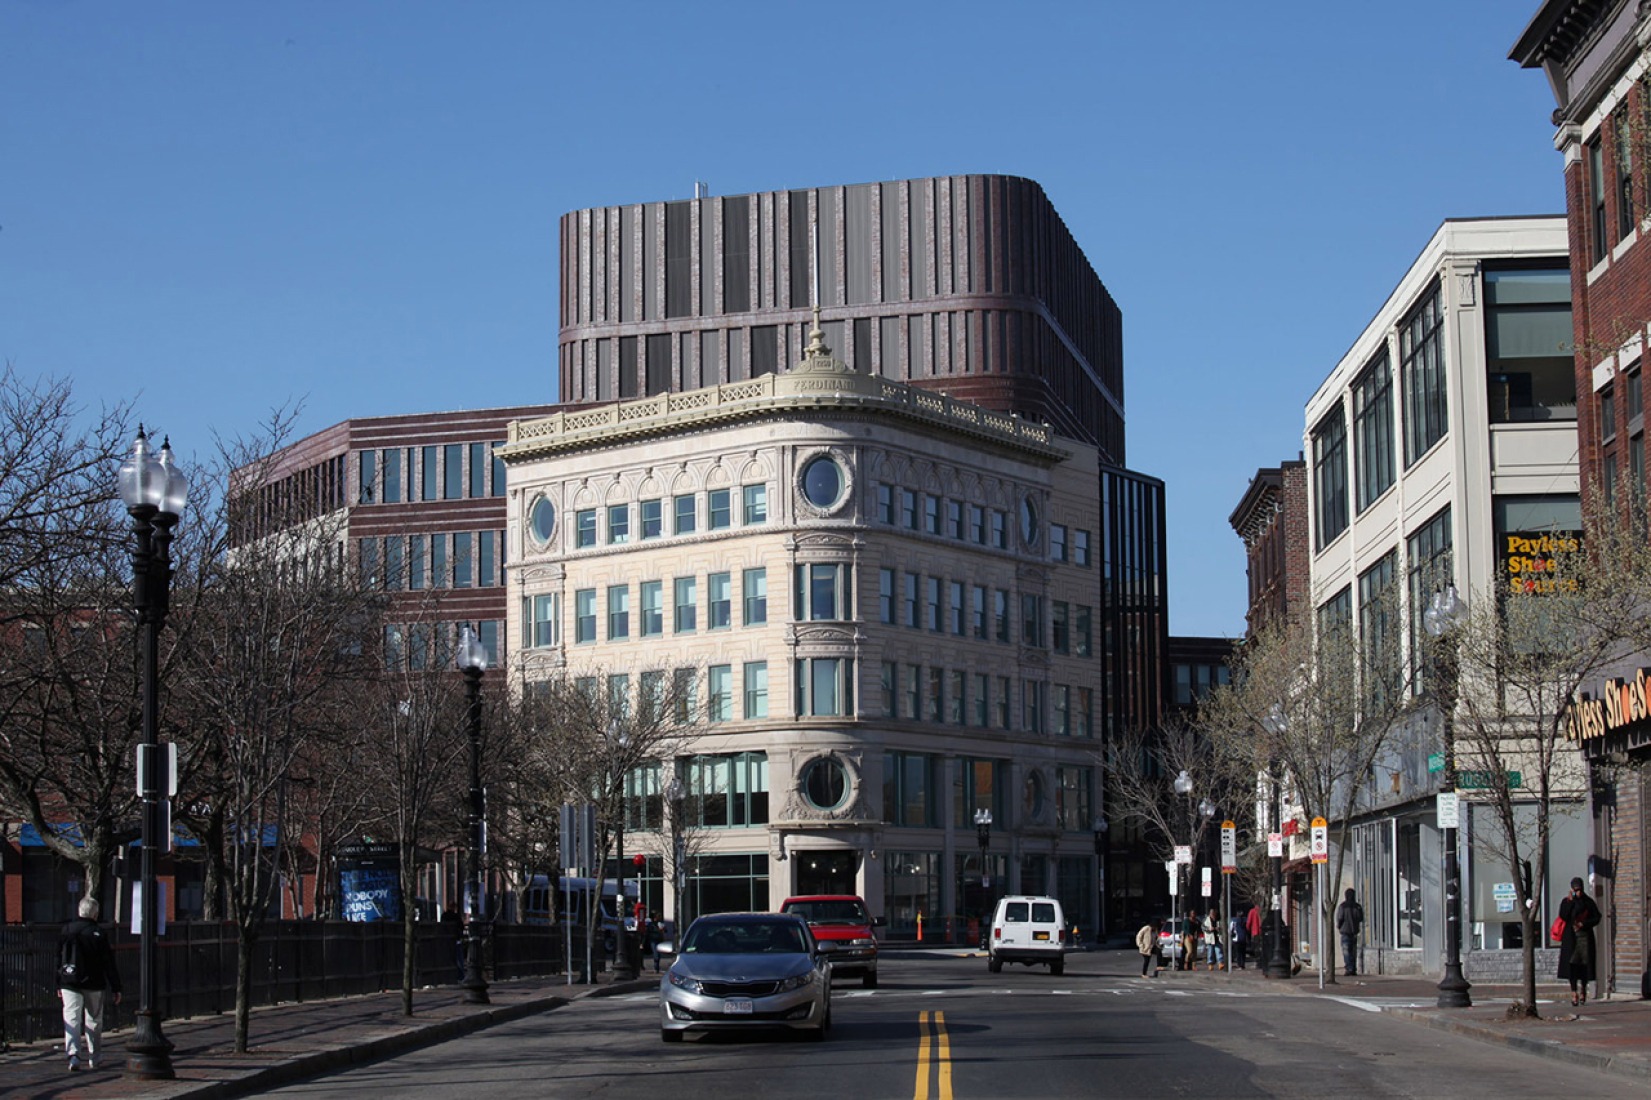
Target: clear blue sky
(218, 208)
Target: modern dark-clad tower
(968, 284)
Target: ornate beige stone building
(888, 601)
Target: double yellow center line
(931, 1037)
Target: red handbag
(1556, 931)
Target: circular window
(825, 783)
(543, 519)
(1034, 795)
(1029, 521)
(823, 482)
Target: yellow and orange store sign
(1621, 703)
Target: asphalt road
(939, 1028)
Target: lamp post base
(625, 960)
(1278, 967)
(474, 984)
(148, 1052)
(1453, 988)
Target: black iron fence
(292, 961)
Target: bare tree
(68, 704)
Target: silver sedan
(742, 970)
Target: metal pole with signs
(1229, 866)
(1321, 856)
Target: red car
(843, 928)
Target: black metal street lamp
(1443, 617)
(674, 792)
(472, 661)
(1099, 827)
(983, 834)
(154, 491)
(1183, 787)
(624, 964)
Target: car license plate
(736, 1008)
(1040, 935)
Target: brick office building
(1272, 520)
(1593, 54)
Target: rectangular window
(392, 475)
(426, 479)
(1060, 625)
(931, 514)
(478, 470)
(416, 575)
(1086, 712)
(683, 509)
(452, 482)
(584, 528)
(393, 562)
(1031, 693)
(1003, 702)
(619, 524)
(652, 604)
(956, 683)
(954, 519)
(619, 694)
(367, 478)
(1374, 458)
(487, 559)
(1530, 371)
(755, 504)
(653, 518)
(1057, 542)
(687, 606)
(954, 606)
(1000, 529)
(754, 583)
(756, 689)
(823, 687)
(823, 592)
(977, 525)
(910, 797)
(619, 612)
(1624, 148)
(977, 611)
(982, 701)
(1330, 516)
(931, 603)
(1379, 630)
(719, 594)
(684, 694)
(908, 509)
(914, 691)
(584, 616)
(498, 471)
(719, 686)
(462, 561)
(1429, 568)
(1031, 621)
(888, 682)
(545, 619)
(885, 596)
(1063, 710)
(910, 599)
(1000, 614)
(1080, 548)
(934, 692)
(885, 503)
(720, 510)
(1082, 643)
(1422, 377)
(438, 561)
(1607, 415)
(1596, 200)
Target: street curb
(390, 1046)
(1544, 1048)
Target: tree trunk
(1527, 949)
(245, 940)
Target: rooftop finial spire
(816, 337)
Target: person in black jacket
(1576, 946)
(86, 970)
(1349, 922)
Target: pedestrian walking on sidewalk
(1349, 922)
(1146, 942)
(1212, 939)
(1576, 946)
(85, 974)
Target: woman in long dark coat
(1576, 947)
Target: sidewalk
(290, 1041)
(1612, 1036)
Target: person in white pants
(86, 972)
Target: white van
(1027, 930)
